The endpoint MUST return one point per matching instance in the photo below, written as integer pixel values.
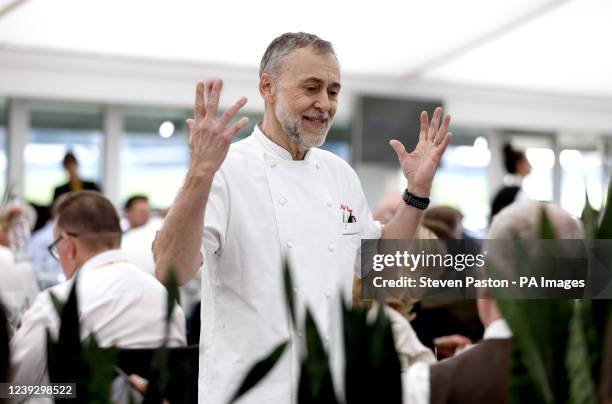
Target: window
(461, 180)
(55, 129)
(582, 171)
(154, 154)
(539, 149)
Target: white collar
(105, 258)
(498, 329)
(512, 180)
(273, 148)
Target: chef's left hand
(420, 165)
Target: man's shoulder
(242, 148)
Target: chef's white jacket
(263, 207)
(122, 305)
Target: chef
(245, 207)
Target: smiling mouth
(316, 121)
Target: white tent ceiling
(550, 46)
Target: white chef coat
(265, 206)
(118, 302)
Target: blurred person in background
(387, 206)
(447, 216)
(118, 302)
(275, 194)
(18, 286)
(75, 183)
(480, 374)
(517, 168)
(137, 212)
(47, 270)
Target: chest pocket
(350, 229)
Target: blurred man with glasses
(119, 303)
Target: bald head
(522, 220)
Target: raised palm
(420, 165)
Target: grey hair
(283, 45)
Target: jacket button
(282, 200)
(300, 335)
(331, 247)
(272, 164)
(289, 244)
(329, 204)
(328, 293)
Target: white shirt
(136, 245)
(118, 302)
(415, 381)
(263, 207)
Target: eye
(311, 89)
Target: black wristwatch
(417, 202)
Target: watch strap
(416, 201)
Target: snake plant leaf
(173, 297)
(524, 339)
(578, 363)
(315, 384)
(101, 363)
(605, 228)
(373, 370)
(547, 232)
(605, 386)
(259, 371)
(589, 219)
(289, 295)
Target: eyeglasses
(53, 246)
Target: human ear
(267, 88)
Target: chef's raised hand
(420, 165)
(209, 135)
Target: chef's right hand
(209, 135)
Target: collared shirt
(264, 207)
(119, 303)
(415, 381)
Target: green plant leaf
(547, 232)
(373, 370)
(57, 303)
(101, 363)
(515, 313)
(315, 383)
(605, 228)
(259, 371)
(289, 296)
(173, 297)
(589, 219)
(578, 363)
(605, 386)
